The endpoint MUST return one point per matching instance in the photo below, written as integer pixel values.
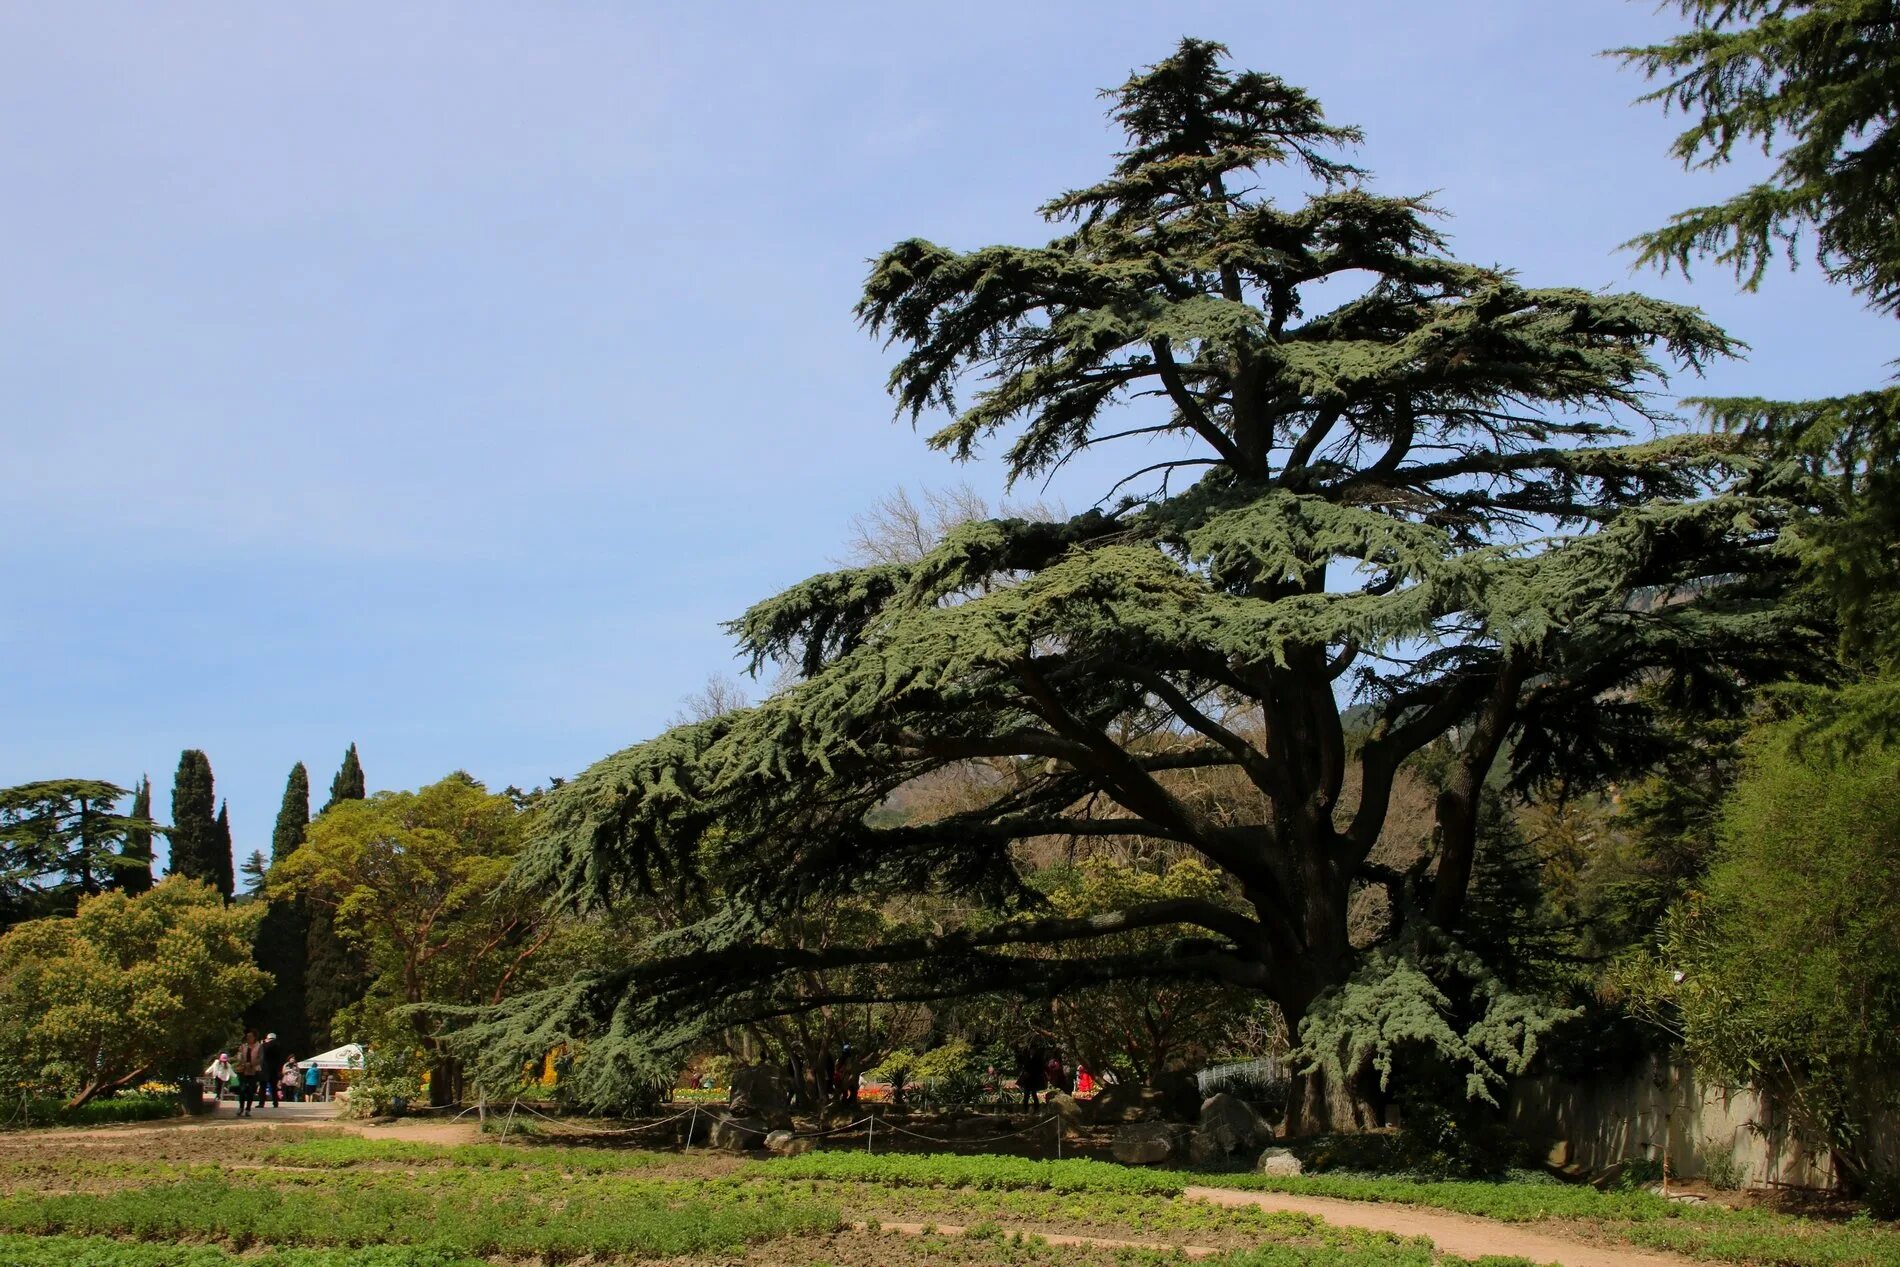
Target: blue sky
(439, 376)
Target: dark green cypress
(222, 858)
(335, 973)
(348, 784)
(135, 876)
(194, 832)
(282, 947)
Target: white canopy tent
(348, 1056)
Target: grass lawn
(291, 1197)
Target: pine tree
(348, 784)
(196, 838)
(282, 947)
(135, 876)
(1425, 502)
(61, 840)
(335, 973)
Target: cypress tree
(222, 856)
(335, 974)
(282, 947)
(135, 876)
(194, 833)
(348, 784)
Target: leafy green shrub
(1722, 1170)
(128, 1107)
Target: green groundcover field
(264, 1197)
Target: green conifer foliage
(348, 784)
(282, 947)
(335, 974)
(135, 876)
(196, 838)
(1427, 490)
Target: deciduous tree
(414, 880)
(128, 987)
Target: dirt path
(1461, 1234)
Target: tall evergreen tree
(135, 876)
(195, 836)
(226, 860)
(1426, 498)
(348, 784)
(335, 972)
(293, 815)
(282, 947)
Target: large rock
(1180, 1094)
(1126, 1102)
(1065, 1107)
(1143, 1143)
(1278, 1161)
(1229, 1125)
(737, 1134)
(786, 1144)
(760, 1091)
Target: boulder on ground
(1065, 1107)
(1143, 1143)
(760, 1091)
(1278, 1161)
(1230, 1125)
(1127, 1102)
(736, 1134)
(786, 1144)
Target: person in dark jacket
(273, 1071)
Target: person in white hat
(220, 1072)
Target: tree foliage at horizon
(1431, 498)
(129, 986)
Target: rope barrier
(868, 1124)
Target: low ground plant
(946, 1171)
(343, 1152)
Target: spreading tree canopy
(1817, 84)
(1435, 503)
(61, 839)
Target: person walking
(221, 1073)
(250, 1067)
(292, 1079)
(1053, 1074)
(1029, 1075)
(272, 1071)
(310, 1074)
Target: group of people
(261, 1070)
(1038, 1072)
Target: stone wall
(1595, 1127)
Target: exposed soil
(1461, 1234)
